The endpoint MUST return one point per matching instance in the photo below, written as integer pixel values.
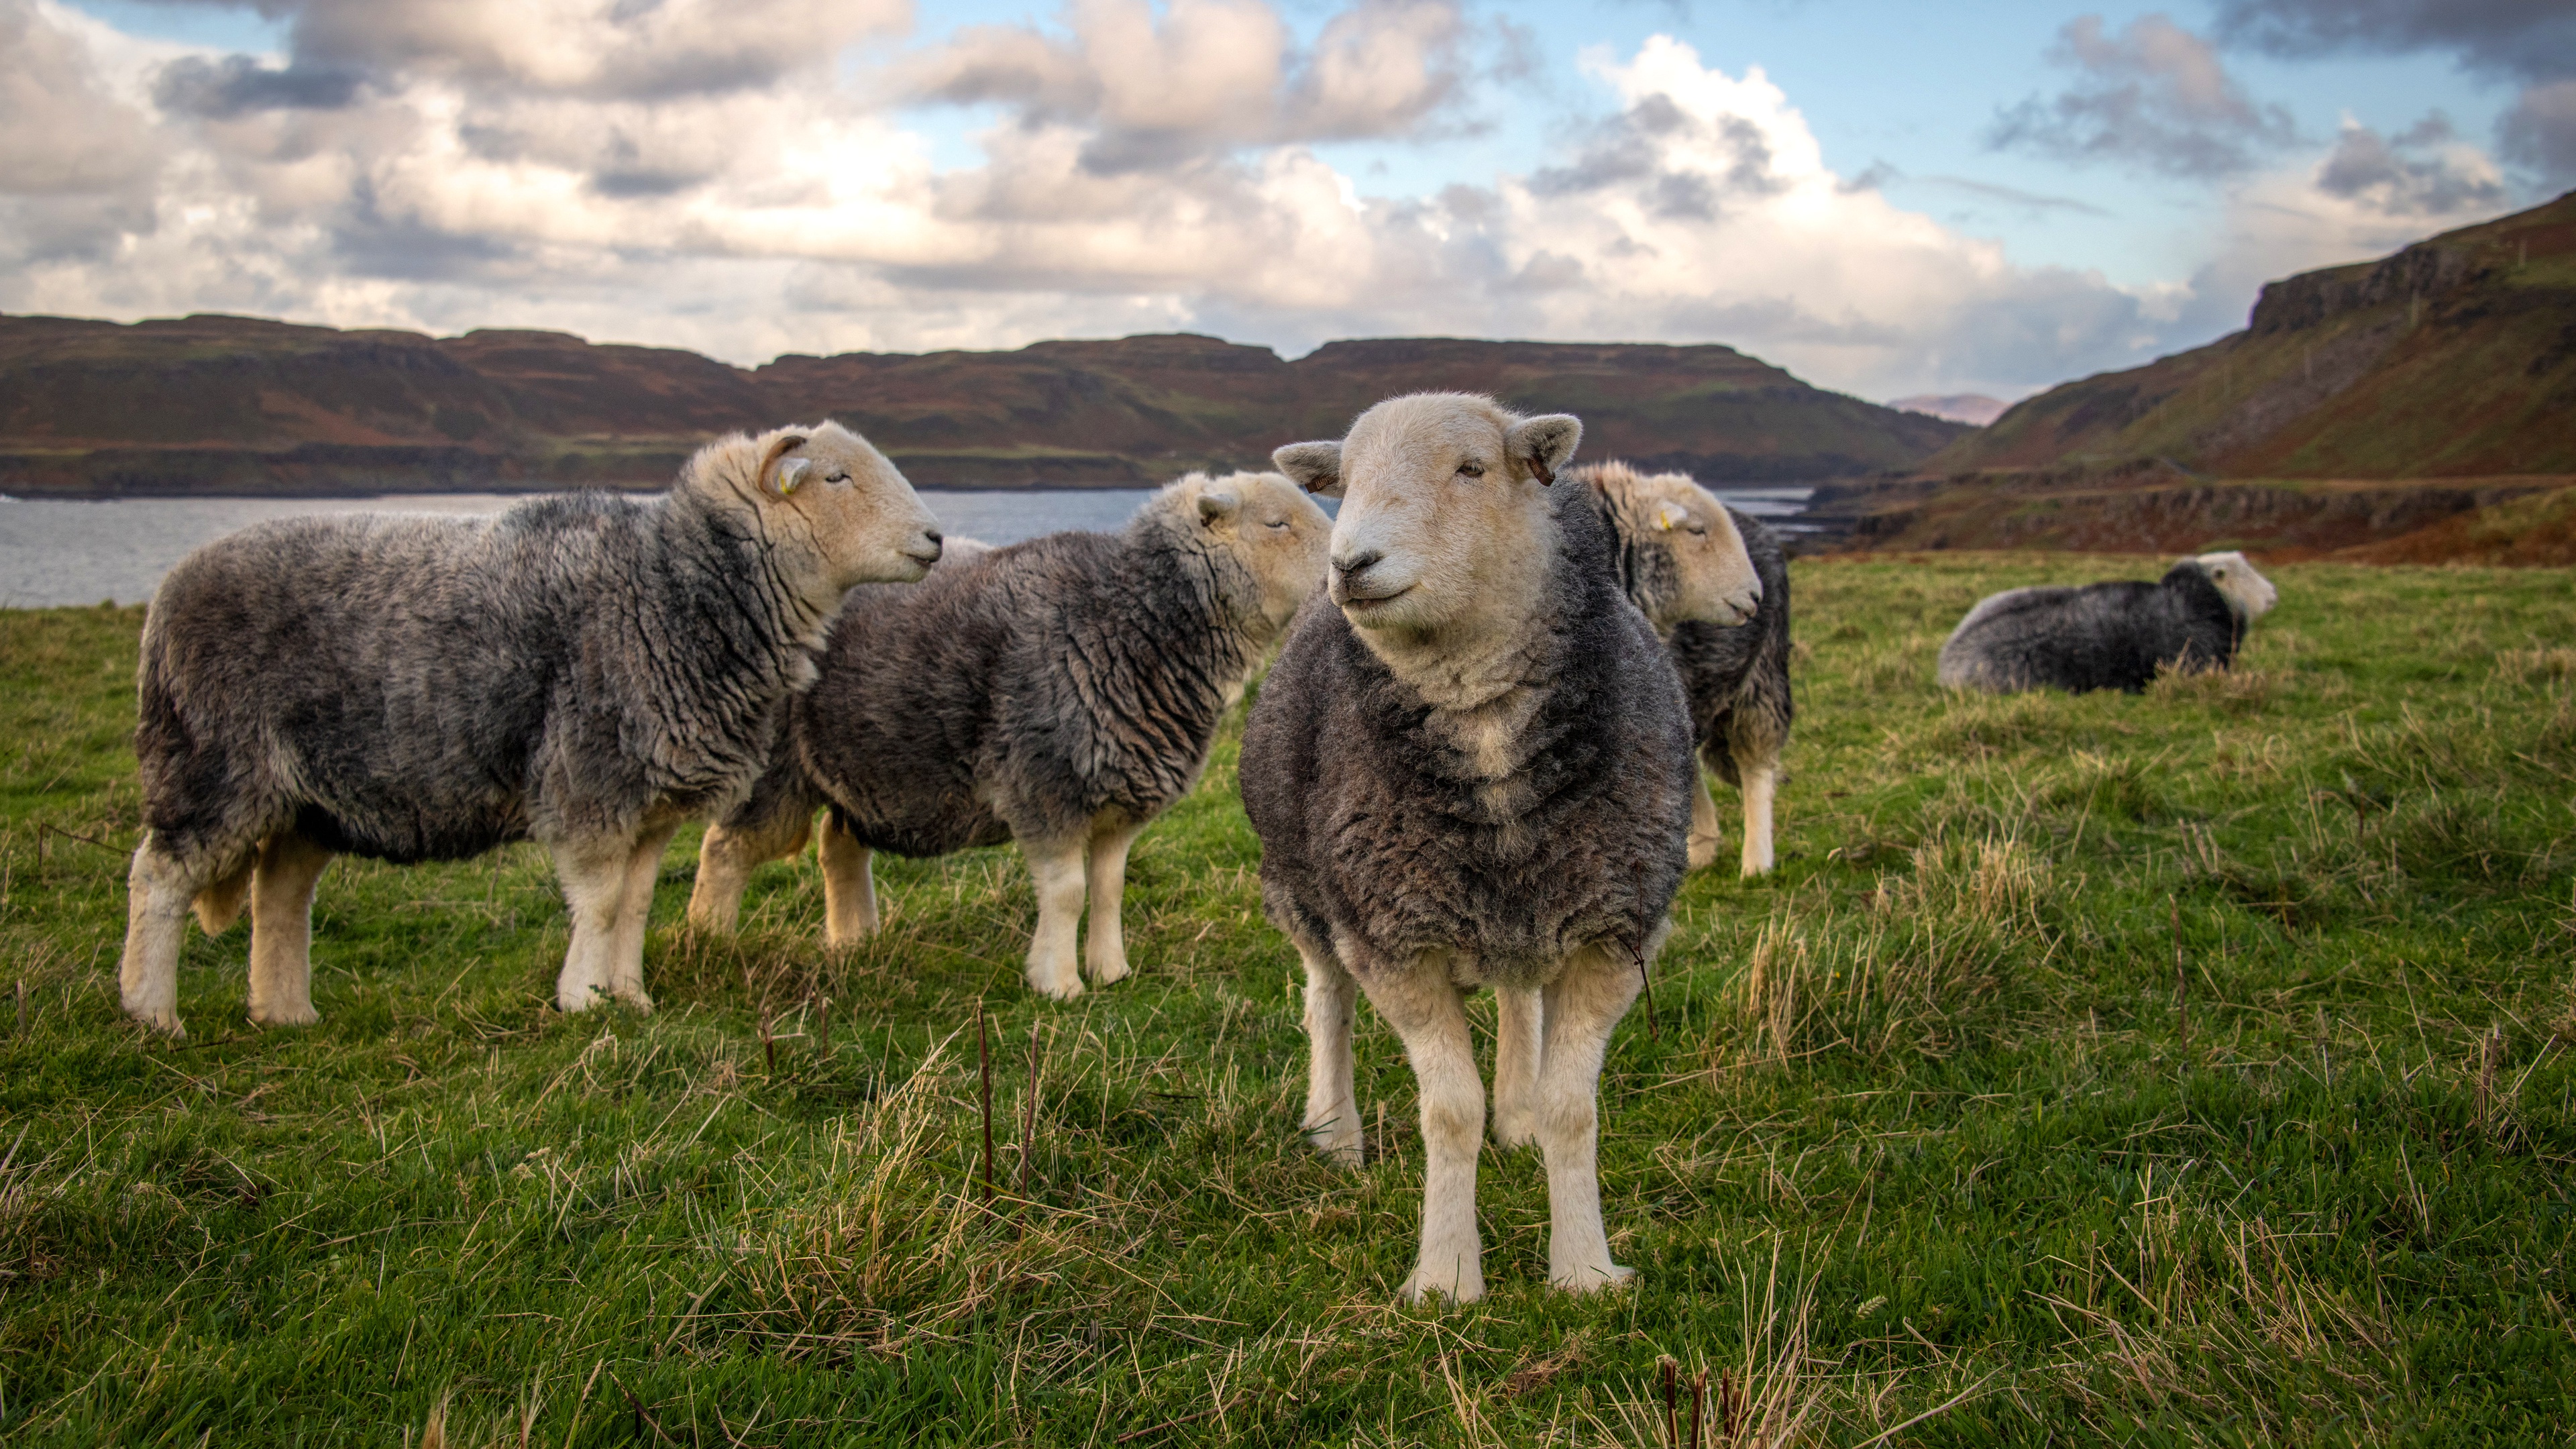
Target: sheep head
(1443, 518)
(1271, 528)
(2248, 593)
(1686, 559)
(841, 512)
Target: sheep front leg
(1520, 1024)
(1584, 1006)
(1104, 950)
(1760, 782)
(1429, 1014)
(158, 891)
(634, 916)
(1056, 866)
(1332, 1105)
(1705, 833)
(849, 886)
(594, 875)
(726, 859)
(281, 930)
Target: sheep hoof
(1056, 988)
(1115, 970)
(1597, 1279)
(1455, 1286)
(166, 1021)
(1703, 851)
(1340, 1146)
(303, 1015)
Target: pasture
(2187, 1068)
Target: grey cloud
(238, 84)
(1630, 147)
(2540, 131)
(2403, 175)
(2529, 39)
(2154, 96)
(2037, 203)
(61, 133)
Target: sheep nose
(933, 535)
(1358, 563)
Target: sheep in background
(2111, 635)
(1059, 692)
(586, 671)
(1473, 767)
(1715, 584)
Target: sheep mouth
(1365, 602)
(924, 559)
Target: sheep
(1059, 692)
(1470, 766)
(585, 671)
(1715, 583)
(2110, 635)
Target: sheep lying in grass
(1059, 692)
(1715, 585)
(585, 671)
(2108, 636)
(1475, 770)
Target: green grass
(1918, 1126)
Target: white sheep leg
(594, 875)
(1056, 866)
(634, 916)
(726, 859)
(157, 896)
(849, 886)
(281, 930)
(1584, 1006)
(1332, 1106)
(1520, 1027)
(1760, 782)
(1429, 1014)
(1104, 948)
(1706, 835)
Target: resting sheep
(1060, 692)
(2108, 636)
(585, 671)
(1715, 585)
(1471, 768)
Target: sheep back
(1379, 840)
(421, 688)
(1737, 679)
(2099, 636)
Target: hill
(1973, 408)
(240, 405)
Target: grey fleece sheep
(1060, 692)
(2111, 635)
(1475, 771)
(584, 671)
(1679, 552)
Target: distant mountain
(1973, 408)
(2454, 358)
(217, 404)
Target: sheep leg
(849, 886)
(594, 875)
(281, 930)
(1520, 1026)
(635, 910)
(1584, 1005)
(1761, 780)
(220, 904)
(1430, 1015)
(157, 895)
(726, 859)
(1706, 835)
(1056, 866)
(1332, 1105)
(1104, 950)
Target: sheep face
(1273, 529)
(1689, 560)
(847, 508)
(2249, 593)
(1444, 520)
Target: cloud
(2540, 131)
(2423, 171)
(2526, 39)
(77, 162)
(2034, 202)
(2155, 97)
(237, 84)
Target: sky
(1885, 198)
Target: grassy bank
(2187, 1068)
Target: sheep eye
(1471, 469)
(838, 478)
(1696, 530)
(1279, 523)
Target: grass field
(2192, 1068)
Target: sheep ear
(1668, 516)
(775, 480)
(1316, 467)
(1217, 506)
(1543, 445)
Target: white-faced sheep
(1059, 692)
(1715, 584)
(1471, 768)
(2111, 635)
(585, 671)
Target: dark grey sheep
(583, 671)
(1475, 771)
(2111, 635)
(1714, 582)
(1059, 692)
